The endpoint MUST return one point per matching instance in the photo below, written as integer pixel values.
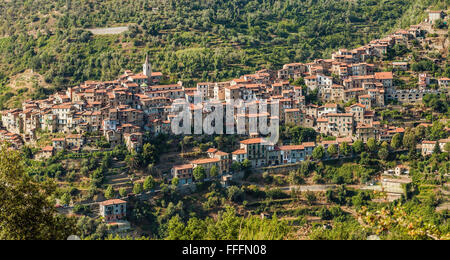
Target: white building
(433, 16)
(112, 210)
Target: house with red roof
(292, 153)
(184, 173)
(113, 210)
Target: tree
(360, 200)
(27, 152)
(154, 171)
(340, 195)
(213, 172)
(133, 161)
(440, 24)
(307, 167)
(372, 145)
(122, 192)
(410, 140)
(109, 193)
(236, 167)
(235, 194)
(267, 177)
(310, 197)
(383, 153)
(299, 82)
(358, 147)
(66, 198)
(26, 212)
(246, 164)
(447, 147)
(397, 141)
(437, 131)
(295, 178)
(150, 154)
(149, 183)
(199, 173)
(332, 150)
(176, 229)
(137, 188)
(365, 159)
(346, 149)
(318, 153)
(325, 214)
(420, 132)
(151, 168)
(107, 161)
(220, 141)
(437, 148)
(298, 134)
(175, 182)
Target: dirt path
(110, 30)
(315, 188)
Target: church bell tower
(147, 68)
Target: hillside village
(351, 87)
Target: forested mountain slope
(188, 40)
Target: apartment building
(184, 173)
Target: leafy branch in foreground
(26, 213)
(397, 223)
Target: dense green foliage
(439, 103)
(228, 226)
(297, 134)
(26, 213)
